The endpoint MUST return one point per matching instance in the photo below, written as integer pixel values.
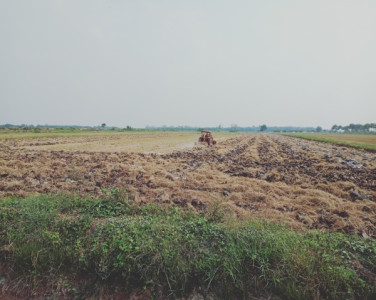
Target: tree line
(351, 128)
(359, 128)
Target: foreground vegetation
(364, 141)
(113, 240)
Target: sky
(197, 63)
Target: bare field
(303, 184)
(106, 141)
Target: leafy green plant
(113, 238)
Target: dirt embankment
(304, 184)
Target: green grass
(36, 133)
(367, 142)
(113, 239)
(64, 133)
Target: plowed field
(303, 184)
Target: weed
(113, 238)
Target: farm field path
(303, 184)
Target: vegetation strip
(369, 147)
(115, 239)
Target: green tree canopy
(263, 127)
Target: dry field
(105, 141)
(303, 184)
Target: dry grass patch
(289, 181)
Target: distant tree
(263, 127)
(234, 128)
(103, 125)
(357, 128)
(354, 127)
(334, 128)
(318, 129)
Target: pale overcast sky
(199, 63)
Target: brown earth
(303, 184)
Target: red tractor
(206, 138)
